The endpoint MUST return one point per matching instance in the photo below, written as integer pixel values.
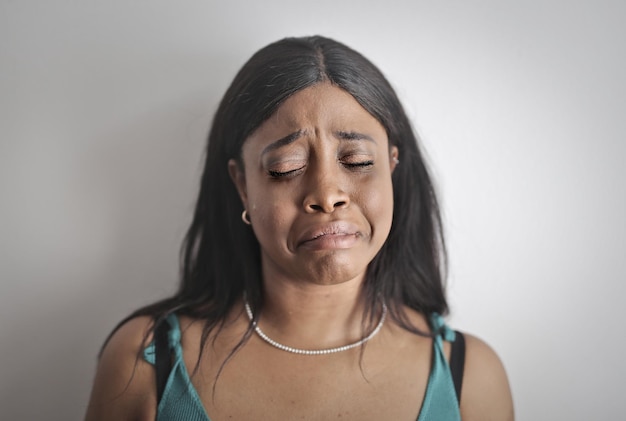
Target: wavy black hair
(220, 256)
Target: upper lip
(330, 228)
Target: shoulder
(124, 385)
(486, 394)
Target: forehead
(318, 109)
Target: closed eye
(279, 174)
(358, 164)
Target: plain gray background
(104, 108)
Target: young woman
(312, 271)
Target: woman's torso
(389, 381)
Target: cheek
(271, 218)
(377, 205)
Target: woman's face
(317, 186)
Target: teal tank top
(180, 400)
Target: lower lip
(331, 242)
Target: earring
(245, 217)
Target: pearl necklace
(272, 342)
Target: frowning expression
(316, 181)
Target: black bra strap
(457, 363)
(163, 360)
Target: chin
(334, 269)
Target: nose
(325, 193)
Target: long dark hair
(220, 257)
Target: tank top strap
(441, 329)
(173, 339)
(173, 335)
(440, 401)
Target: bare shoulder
(486, 394)
(124, 383)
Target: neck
(309, 316)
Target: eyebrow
(354, 136)
(292, 137)
(283, 141)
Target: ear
(238, 176)
(393, 158)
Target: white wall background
(104, 107)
